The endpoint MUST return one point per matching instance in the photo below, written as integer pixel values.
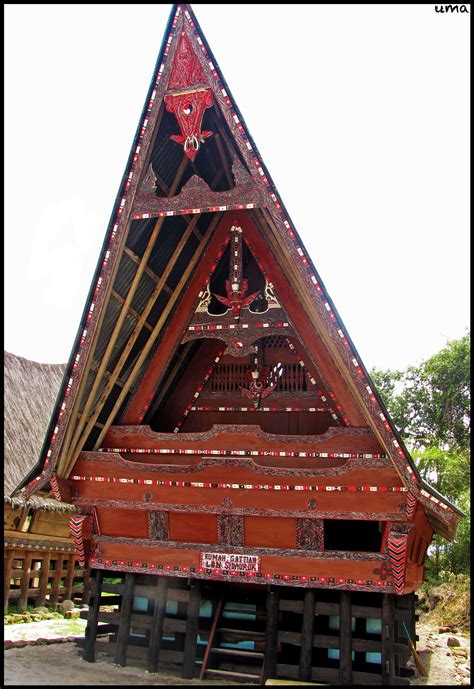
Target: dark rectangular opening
(352, 534)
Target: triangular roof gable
(334, 333)
(240, 327)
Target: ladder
(235, 654)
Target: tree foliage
(430, 406)
(430, 403)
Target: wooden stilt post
(25, 583)
(345, 639)
(192, 628)
(271, 633)
(41, 599)
(306, 652)
(388, 638)
(125, 618)
(35, 568)
(57, 579)
(7, 575)
(93, 617)
(70, 576)
(157, 624)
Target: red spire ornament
(259, 386)
(187, 102)
(236, 287)
(262, 381)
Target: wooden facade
(216, 431)
(40, 563)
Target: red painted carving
(187, 70)
(196, 194)
(189, 111)
(236, 287)
(236, 299)
(259, 385)
(189, 106)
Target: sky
(360, 112)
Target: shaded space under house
(240, 491)
(40, 560)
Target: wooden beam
(192, 628)
(88, 654)
(181, 318)
(300, 308)
(233, 151)
(115, 333)
(55, 589)
(120, 300)
(169, 379)
(21, 522)
(43, 587)
(271, 633)
(90, 355)
(156, 634)
(345, 638)
(306, 650)
(7, 575)
(125, 618)
(133, 337)
(144, 353)
(136, 259)
(89, 361)
(217, 609)
(227, 170)
(71, 561)
(119, 322)
(25, 582)
(388, 640)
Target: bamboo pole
(133, 337)
(122, 315)
(90, 354)
(137, 366)
(188, 272)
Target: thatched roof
(31, 389)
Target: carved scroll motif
(197, 196)
(158, 526)
(309, 534)
(230, 529)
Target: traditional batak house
(39, 553)
(228, 456)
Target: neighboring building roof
(30, 392)
(156, 250)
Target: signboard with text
(231, 562)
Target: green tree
(430, 406)
(430, 403)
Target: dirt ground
(443, 665)
(60, 664)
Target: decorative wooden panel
(158, 525)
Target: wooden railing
(42, 577)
